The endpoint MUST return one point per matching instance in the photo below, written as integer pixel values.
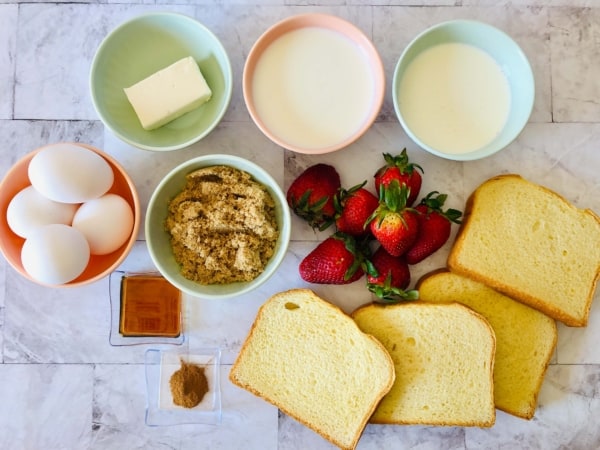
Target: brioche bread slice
(525, 338)
(531, 244)
(444, 358)
(308, 358)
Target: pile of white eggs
(67, 215)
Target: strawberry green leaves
(377, 236)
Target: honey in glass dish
(150, 306)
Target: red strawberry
(434, 227)
(399, 168)
(394, 224)
(391, 279)
(353, 207)
(310, 195)
(339, 259)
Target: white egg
(69, 173)
(29, 210)
(55, 254)
(106, 222)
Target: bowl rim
(478, 153)
(284, 232)
(227, 73)
(320, 20)
(125, 249)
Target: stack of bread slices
(480, 337)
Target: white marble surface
(63, 386)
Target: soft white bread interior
(531, 244)
(444, 358)
(525, 338)
(310, 359)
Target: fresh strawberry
(339, 259)
(310, 195)
(391, 279)
(394, 224)
(353, 207)
(400, 168)
(434, 226)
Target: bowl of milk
(463, 90)
(313, 83)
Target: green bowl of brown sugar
(217, 226)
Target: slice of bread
(444, 358)
(310, 359)
(531, 244)
(525, 338)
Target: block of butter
(169, 93)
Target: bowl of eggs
(70, 215)
(217, 226)
(313, 83)
(463, 90)
(161, 81)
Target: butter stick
(169, 93)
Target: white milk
(454, 97)
(313, 87)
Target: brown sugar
(150, 306)
(188, 385)
(222, 226)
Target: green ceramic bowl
(506, 53)
(159, 243)
(140, 47)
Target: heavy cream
(454, 97)
(312, 87)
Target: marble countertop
(63, 386)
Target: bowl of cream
(313, 83)
(463, 90)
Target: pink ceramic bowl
(99, 266)
(313, 83)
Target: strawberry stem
(402, 162)
(386, 293)
(342, 194)
(360, 252)
(435, 203)
(393, 198)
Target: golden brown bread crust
(549, 309)
(291, 413)
(533, 406)
(431, 273)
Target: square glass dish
(145, 309)
(161, 366)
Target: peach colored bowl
(99, 266)
(329, 22)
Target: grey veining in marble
(63, 386)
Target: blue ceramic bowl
(510, 59)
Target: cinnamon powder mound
(188, 385)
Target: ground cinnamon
(188, 385)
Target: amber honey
(150, 306)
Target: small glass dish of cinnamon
(183, 386)
(145, 309)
